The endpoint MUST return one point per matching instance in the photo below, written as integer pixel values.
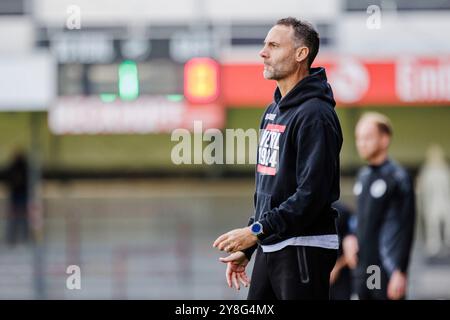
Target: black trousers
(341, 289)
(292, 273)
(362, 289)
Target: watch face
(256, 228)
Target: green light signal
(128, 80)
(107, 97)
(175, 97)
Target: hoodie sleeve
(249, 251)
(317, 162)
(396, 235)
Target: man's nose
(263, 53)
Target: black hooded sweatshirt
(297, 172)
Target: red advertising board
(355, 82)
(148, 114)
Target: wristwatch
(257, 229)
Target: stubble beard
(274, 74)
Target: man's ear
(301, 54)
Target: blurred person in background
(297, 177)
(385, 214)
(341, 276)
(434, 200)
(17, 227)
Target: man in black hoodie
(297, 177)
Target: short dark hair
(304, 32)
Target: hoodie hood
(315, 85)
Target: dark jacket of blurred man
(297, 177)
(385, 215)
(17, 181)
(341, 276)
